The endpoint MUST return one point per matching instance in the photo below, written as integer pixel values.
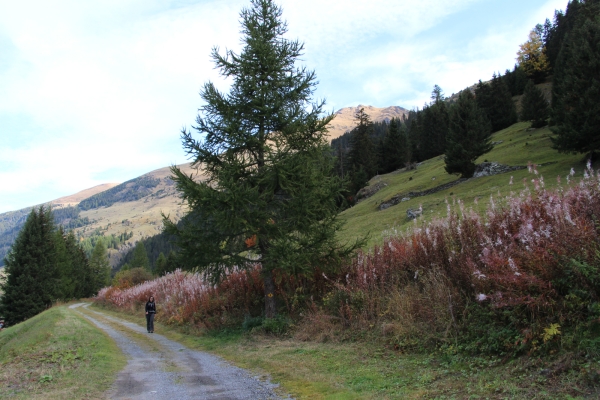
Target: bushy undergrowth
(522, 278)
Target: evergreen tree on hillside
(172, 262)
(99, 267)
(435, 125)
(576, 90)
(395, 147)
(534, 106)
(556, 32)
(66, 287)
(362, 157)
(380, 154)
(362, 152)
(515, 80)
(340, 159)
(140, 257)
(468, 136)
(80, 267)
(161, 265)
(495, 100)
(33, 281)
(504, 112)
(414, 125)
(271, 195)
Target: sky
(97, 91)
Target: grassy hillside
(57, 354)
(517, 145)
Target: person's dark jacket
(151, 307)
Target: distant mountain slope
(10, 224)
(344, 118)
(109, 209)
(76, 198)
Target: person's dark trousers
(150, 322)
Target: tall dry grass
(516, 274)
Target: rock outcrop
(494, 168)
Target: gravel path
(175, 372)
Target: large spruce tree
(33, 281)
(270, 196)
(468, 136)
(534, 106)
(576, 89)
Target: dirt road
(159, 368)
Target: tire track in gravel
(159, 368)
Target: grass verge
(371, 370)
(57, 354)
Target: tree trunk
(270, 309)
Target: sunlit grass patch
(57, 355)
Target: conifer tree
(140, 257)
(33, 281)
(415, 134)
(534, 106)
(99, 267)
(504, 113)
(468, 136)
(340, 159)
(563, 24)
(576, 90)
(515, 80)
(271, 195)
(172, 263)
(362, 160)
(496, 101)
(380, 153)
(161, 265)
(80, 267)
(66, 287)
(435, 125)
(394, 147)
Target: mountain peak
(344, 118)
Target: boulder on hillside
(494, 168)
(413, 214)
(369, 191)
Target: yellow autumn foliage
(531, 55)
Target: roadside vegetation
(57, 354)
(513, 290)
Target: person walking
(150, 311)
